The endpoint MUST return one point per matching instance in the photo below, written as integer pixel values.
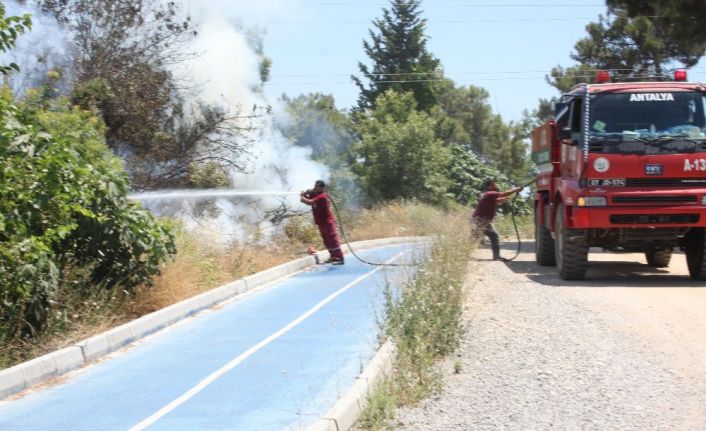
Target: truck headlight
(592, 201)
(703, 200)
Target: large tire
(659, 258)
(544, 243)
(571, 253)
(695, 256)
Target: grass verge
(424, 322)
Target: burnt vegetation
(124, 54)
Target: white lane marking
(243, 356)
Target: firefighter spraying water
(323, 208)
(623, 167)
(485, 212)
(324, 219)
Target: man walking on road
(485, 212)
(324, 219)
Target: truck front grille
(659, 199)
(664, 182)
(654, 218)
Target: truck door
(572, 139)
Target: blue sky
(505, 46)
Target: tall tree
(399, 156)
(470, 107)
(683, 20)
(400, 59)
(631, 48)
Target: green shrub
(63, 205)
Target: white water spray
(202, 194)
(224, 215)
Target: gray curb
(38, 370)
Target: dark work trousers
(331, 241)
(487, 228)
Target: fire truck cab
(622, 166)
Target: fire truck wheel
(571, 252)
(695, 256)
(544, 247)
(659, 258)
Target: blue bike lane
(275, 358)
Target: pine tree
(400, 60)
(632, 48)
(681, 20)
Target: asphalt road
(275, 358)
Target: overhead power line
(485, 72)
(464, 4)
(453, 21)
(444, 73)
(449, 21)
(526, 76)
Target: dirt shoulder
(623, 349)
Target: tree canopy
(637, 47)
(681, 21)
(459, 119)
(398, 154)
(400, 59)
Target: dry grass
(401, 218)
(204, 262)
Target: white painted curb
(38, 370)
(344, 414)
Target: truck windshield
(647, 123)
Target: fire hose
(345, 240)
(514, 223)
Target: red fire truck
(623, 167)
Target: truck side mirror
(565, 136)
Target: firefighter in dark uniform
(485, 212)
(324, 219)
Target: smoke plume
(45, 48)
(226, 71)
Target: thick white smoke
(46, 47)
(226, 71)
